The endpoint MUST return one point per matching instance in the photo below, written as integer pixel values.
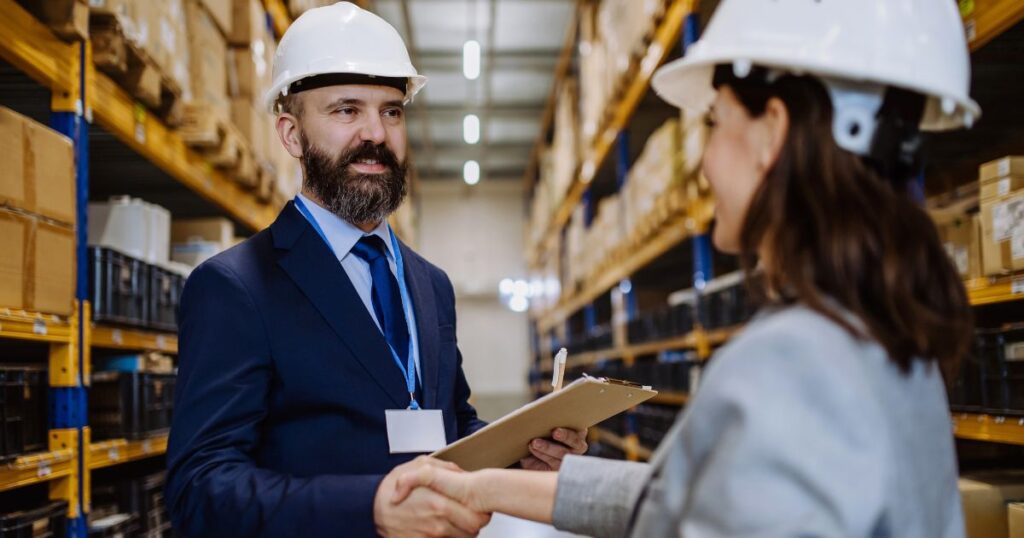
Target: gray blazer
(798, 430)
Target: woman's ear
(288, 131)
(775, 122)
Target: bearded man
(319, 355)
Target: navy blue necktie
(386, 298)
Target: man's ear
(289, 134)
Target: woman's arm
(590, 496)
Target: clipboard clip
(620, 382)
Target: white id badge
(419, 430)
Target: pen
(559, 369)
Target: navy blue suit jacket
(283, 380)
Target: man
(301, 346)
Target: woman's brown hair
(826, 225)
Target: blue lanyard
(409, 372)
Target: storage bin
(132, 405)
(23, 417)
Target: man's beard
(354, 197)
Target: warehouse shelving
(118, 451)
(107, 337)
(628, 444)
(130, 123)
(666, 36)
(983, 291)
(34, 326)
(37, 468)
(986, 20)
(992, 428)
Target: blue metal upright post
(69, 405)
(622, 166)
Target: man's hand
(424, 512)
(547, 454)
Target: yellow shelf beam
(670, 398)
(983, 291)
(990, 428)
(118, 451)
(629, 444)
(32, 48)
(133, 339)
(279, 15)
(36, 468)
(984, 20)
(119, 114)
(33, 326)
(666, 38)
(693, 340)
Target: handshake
(430, 497)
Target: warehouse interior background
(561, 196)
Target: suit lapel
(417, 276)
(313, 267)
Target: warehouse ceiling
(520, 44)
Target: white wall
(476, 235)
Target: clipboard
(582, 404)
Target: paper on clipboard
(580, 405)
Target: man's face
(353, 150)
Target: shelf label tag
(44, 469)
(1017, 287)
(147, 447)
(114, 454)
(117, 337)
(161, 342)
(39, 327)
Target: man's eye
(347, 111)
(393, 113)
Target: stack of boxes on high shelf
(213, 62)
(613, 41)
(990, 243)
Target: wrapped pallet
(250, 61)
(565, 143)
(1002, 215)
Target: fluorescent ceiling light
(471, 128)
(471, 60)
(471, 172)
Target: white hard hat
(338, 39)
(916, 45)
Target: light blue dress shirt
(342, 236)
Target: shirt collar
(341, 234)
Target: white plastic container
(159, 226)
(121, 224)
(194, 252)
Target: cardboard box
(13, 240)
(961, 237)
(1001, 186)
(251, 122)
(1002, 228)
(984, 497)
(1015, 519)
(221, 12)
(1006, 166)
(217, 230)
(37, 271)
(40, 176)
(208, 60)
(69, 19)
(53, 270)
(249, 71)
(248, 22)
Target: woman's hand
(457, 485)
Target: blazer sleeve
(597, 496)
(214, 486)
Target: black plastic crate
(1000, 363)
(23, 398)
(47, 521)
(144, 497)
(133, 405)
(119, 287)
(114, 526)
(165, 294)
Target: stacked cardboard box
(985, 497)
(594, 75)
(1015, 515)
(658, 167)
(250, 62)
(207, 58)
(37, 217)
(605, 234)
(1002, 215)
(298, 7)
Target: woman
(828, 415)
